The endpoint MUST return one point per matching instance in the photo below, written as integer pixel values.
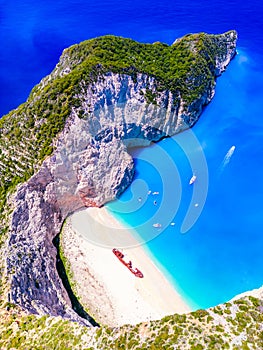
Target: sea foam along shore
(107, 289)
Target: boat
(128, 264)
(155, 193)
(158, 225)
(192, 180)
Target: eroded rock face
(89, 167)
(75, 176)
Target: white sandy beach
(108, 290)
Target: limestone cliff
(90, 164)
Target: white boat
(192, 180)
(155, 193)
(158, 225)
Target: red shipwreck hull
(120, 256)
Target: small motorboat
(157, 225)
(192, 180)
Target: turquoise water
(221, 254)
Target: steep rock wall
(89, 167)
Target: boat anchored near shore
(128, 264)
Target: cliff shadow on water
(76, 306)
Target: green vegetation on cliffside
(235, 325)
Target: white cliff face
(89, 167)
(116, 101)
(87, 173)
(223, 60)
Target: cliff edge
(67, 144)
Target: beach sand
(106, 288)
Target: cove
(220, 256)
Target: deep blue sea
(213, 250)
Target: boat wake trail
(227, 158)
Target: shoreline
(106, 288)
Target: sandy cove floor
(107, 289)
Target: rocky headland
(72, 145)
